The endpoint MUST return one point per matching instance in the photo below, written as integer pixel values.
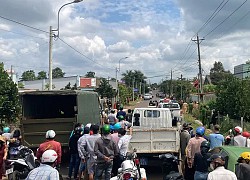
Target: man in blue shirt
(46, 170)
(216, 139)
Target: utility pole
(140, 87)
(133, 88)
(50, 56)
(198, 41)
(181, 89)
(171, 86)
(11, 73)
(116, 81)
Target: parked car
(231, 154)
(147, 96)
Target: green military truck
(57, 110)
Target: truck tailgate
(160, 140)
(34, 130)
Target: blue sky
(154, 34)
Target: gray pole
(50, 56)
(171, 86)
(116, 71)
(200, 72)
(181, 89)
(133, 89)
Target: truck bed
(34, 130)
(155, 140)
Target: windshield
(171, 106)
(152, 113)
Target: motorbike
(130, 169)
(19, 167)
(170, 167)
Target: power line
(226, 18)
(84, 54)
(24, 24)
(213, 15)
(21, 34)
(202, 27)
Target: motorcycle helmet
(6, 130)
(200, 130)
(205, 146)
(49, 156)
(238, 129)
(245, 155)
(106, 129)
(78, 130)
(121, 117)
(50, 134)
(246, 134)
(117, 126)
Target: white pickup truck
(153, 134)
(174, 108)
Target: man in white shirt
(46, 170)
(238, 139)
(123, 143)
(219, 172)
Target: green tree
(57, 73)
(124, 93)
(20, 85)
(90, 74)
(233, 97)
(9, 100)
(47, 86)
(218, 73)
(105, 89)
(135, 78)
(42, 75)
(28, 75)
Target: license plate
(8, 171)
(144, 161)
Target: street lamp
(51, 35)
(118, 70)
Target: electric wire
(31, 27)
(84, 54)
(213, 15)
(226, 19)
(22, 34)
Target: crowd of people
(199, 164)
(97, 151)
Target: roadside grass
(133, 103)
(189, 118)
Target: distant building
(242, 71)
(88, 84)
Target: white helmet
(50, 134)
(49, 156)
(238, 129)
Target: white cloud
(136, 33)
(154, 35)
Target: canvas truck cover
(57, 110)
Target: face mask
(211, 166)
